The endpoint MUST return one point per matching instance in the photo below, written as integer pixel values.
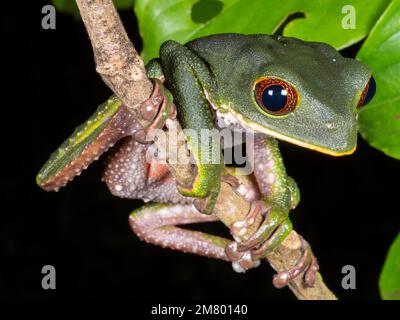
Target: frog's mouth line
(242, 121)
(258, 128)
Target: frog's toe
(307, 263)
(271, 240)
(241, 261)
(156, 109)
(240, 228)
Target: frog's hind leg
(132, 173)
(110, 123)
(158, 224)
(129, 174)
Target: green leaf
(183, 20)
(380, 119)
(66, 6)
(123, 4)
(69, 6)
(325, 21)
(389, 280)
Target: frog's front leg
(188, 77)
(278, 194)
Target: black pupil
(371, 90)
(274, 98)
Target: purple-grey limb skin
(158, 225)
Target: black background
(348, 212)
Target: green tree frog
(282, 88)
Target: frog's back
(230, 48)
(220, 43)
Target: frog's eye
(368, 92)
(275, 96)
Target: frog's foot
(241, 261)
(240, 252)
(273, 228)
(242, 186)
(111, 122)
(202, 204)
(307, 263)
(240, 228)
(157, 109)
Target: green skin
(221, 71)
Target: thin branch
(122, 69)
(117, 61)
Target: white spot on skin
(270, 163)
(284, 276)
(238, 224)
(329, 125)
(239, 228)
(118, 187)
(242, 190)
(247, 256)
(270, 178)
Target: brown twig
(123, 71)
(117, 61)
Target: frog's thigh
(157, 224)
(129, 174)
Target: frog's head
(302, 92)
